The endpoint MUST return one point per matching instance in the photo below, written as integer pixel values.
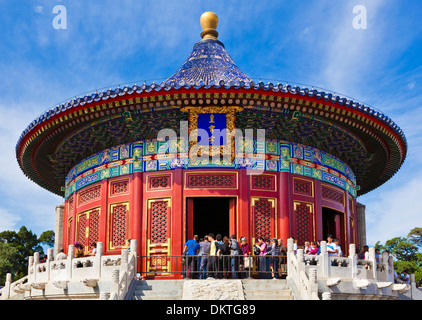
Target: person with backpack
(212, 261)
(235, 252)
(260, 248)
(190, 251)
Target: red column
(178, 221)
(284, 205)
(135, 231)
(243, 227)
(103, 225)
(318, 211)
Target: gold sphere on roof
(209, 22)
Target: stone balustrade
(350, 277)
(89, 277)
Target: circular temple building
(159, 162)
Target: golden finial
(209, 22)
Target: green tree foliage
(406, 253)
(16, 247)
(415, 236)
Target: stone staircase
(253, 289)
(260, 289)
(158, 290)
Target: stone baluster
(324, 261)
(114, 285)
(390, 263)
(31, 269)
(6, 292)
(133, 248)
(313, 283)
(50, 259)
(290, 252)
(97, 258)
(69, 261)
(36, 263)
(385, 265)
(374, 262)
(124, 265)
(353, 259)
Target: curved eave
(265, 97)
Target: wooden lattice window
(159, 234)
(89, 195)
(88, 228)
(263, 217)
(160, 182)
(70, 205)
(304, 224)
(159, 221)
(302, 187)
(211, 181)
(119, 224)
(70, 235)
(82, 229)
(263, 182)
(120, 187)
(94, 226)
(332, 195)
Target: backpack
(256, 250)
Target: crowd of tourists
(218, 257)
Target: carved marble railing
(122, 278)
(348, 275)
(304, 284)
(90, 277)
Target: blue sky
(107, 43)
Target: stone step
(158, 290)
(251, 296)
(263, 289)
(151, 293)
(264, 285)
(160, 297)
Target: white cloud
(39, 9)
(394, 211)
(8, 220)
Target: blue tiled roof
(208, 64)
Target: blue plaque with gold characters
(213, 124)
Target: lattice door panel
(119, 221)
(159, 234)
(87, 229)
(263, 218)
(304, 224)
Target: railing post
(70, 256)
(97, 259)
(133, 245)
(374, 262)
(289, 253)
(324, 260)
(50, 258)
(313, 283)
(36, 263)
(7, 287)
(124, 264)
(114, 285)
(353, 260)
(31, 269)
(390, 264)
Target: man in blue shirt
(191, 250)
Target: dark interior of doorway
(211, 215)
(329, 222)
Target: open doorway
(209, 214)
(329, 222)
